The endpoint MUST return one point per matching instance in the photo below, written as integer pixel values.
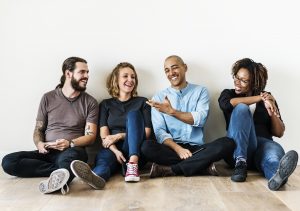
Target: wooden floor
(173, 193)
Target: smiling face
(80, 77)
(242, 82)
(175, 71)
(126, 80)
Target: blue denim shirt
(193, 98)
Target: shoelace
(240, 167)
(132, 169)
(64, 190)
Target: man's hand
(41, 146)
(59, 144)
(110, 139)
(183, 153)
(164, 107)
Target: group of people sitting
(68, 120)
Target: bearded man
(66, 122)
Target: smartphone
(198, 150)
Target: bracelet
(72, 144)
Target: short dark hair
(69, 64)
(258, 74)
(112, 80)
(178, 58)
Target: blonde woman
(125, 122)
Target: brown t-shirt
(66, 117)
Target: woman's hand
(110, 139)
(270, 105)
(120, 157)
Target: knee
(134, 115)
(71, 154)
(225, 143)
(241, 108)
(8, 164)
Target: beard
(75, 85)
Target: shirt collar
(182, 91)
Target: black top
(261, 118)
(113, 113)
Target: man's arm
(163, 137)
(88, 138)
(166, 107)
(181, 152)
(89, 135)
(39, 136)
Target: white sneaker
(83, 171)
(57, 180)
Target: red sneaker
(132, 173)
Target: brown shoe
(161, 171)
(219, 169)
(212, 170)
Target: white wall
(36, 36)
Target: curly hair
(112, 80)
(258, 74)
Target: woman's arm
(277, 126)
(246, 100)
(107, 139)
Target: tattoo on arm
(39, 132)
(88, 130)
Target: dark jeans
(35, 164)
(106, 162)
(221, 148)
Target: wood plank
(172, 193)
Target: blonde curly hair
(112, 80)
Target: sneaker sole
(151, 175)
(83, 171)
(238, 179)
(287, 165)
(46, 186)
(132, 179)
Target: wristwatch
(72, 144)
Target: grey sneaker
(83, 171)
(287, 165)
(58, 180)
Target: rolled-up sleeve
(202, 109)
(159, 124)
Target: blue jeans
(106, 162)
(241, 129)
(261, 153)
(267, 156)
